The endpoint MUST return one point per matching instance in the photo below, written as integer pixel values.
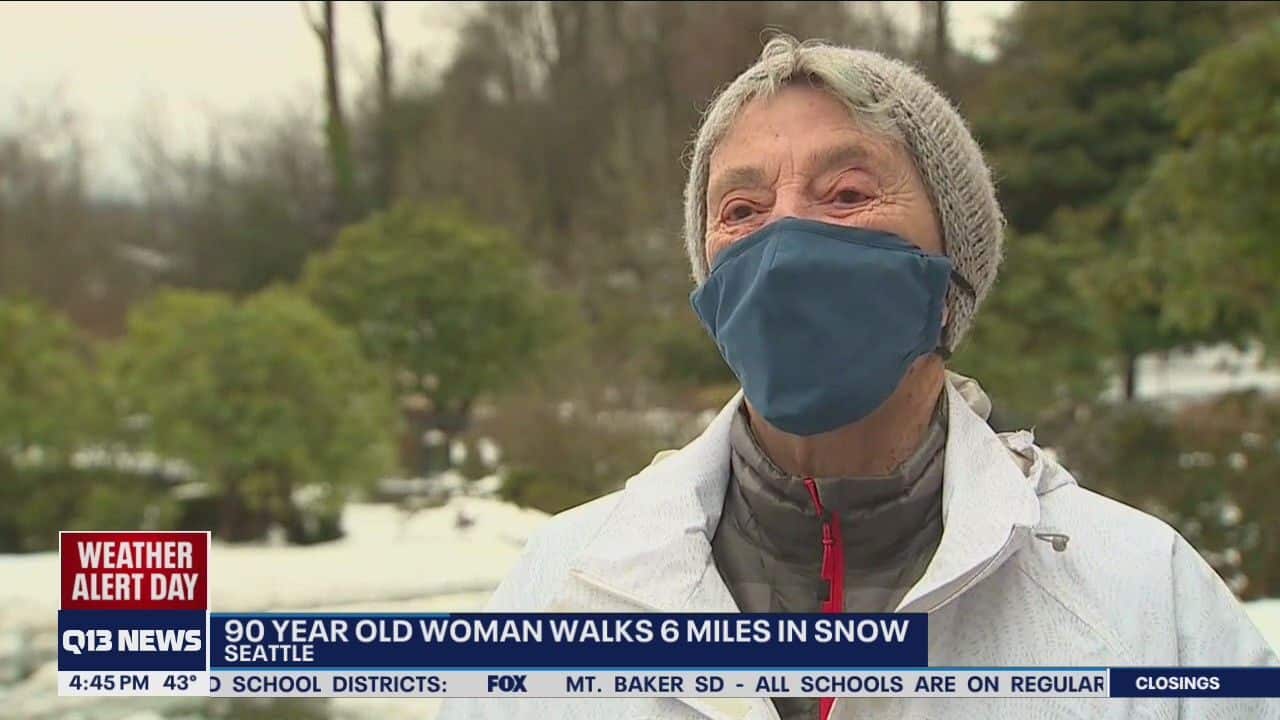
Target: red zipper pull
(832, 569)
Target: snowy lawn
(1266, 615)
(387, 556)
(389, 561)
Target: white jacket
(1125, 590)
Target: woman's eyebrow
(733, 178)
(836, 157)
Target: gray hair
(892, 100)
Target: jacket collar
(654, 551)
(988, 507)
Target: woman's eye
(849, 197)
(738, 212)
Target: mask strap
(958, 280)
(944, 348)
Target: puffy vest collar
(654, 551)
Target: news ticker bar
(134, 620)
(547, 683)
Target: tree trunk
(288, 516)
(415, 455)
(232, 514)
(452, 422)
(936, 30)
(1130, 377)
(339, 141)
(941, 41)
(387, 155)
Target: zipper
(832, 569)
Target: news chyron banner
(561, 655)
(135, 620)
(134, 613)
(551, 655)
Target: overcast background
(186, 63)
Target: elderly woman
(843, 231)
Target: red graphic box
(134, 570)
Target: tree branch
(312, 21)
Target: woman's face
(800, 153)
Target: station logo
(132, 602)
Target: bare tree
(336, 132)
(935, 42)
(61, 242)
(386, 142)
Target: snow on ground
(389, 561)
(387, 556)
(1266, 615)
(1182, 375)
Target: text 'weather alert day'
(125, 587)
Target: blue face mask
(820, 322)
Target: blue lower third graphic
(131, 640)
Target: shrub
(451, 308)
(262, 398)
(1208, 469)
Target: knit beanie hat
(892, 98)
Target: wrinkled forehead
(806, 127)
